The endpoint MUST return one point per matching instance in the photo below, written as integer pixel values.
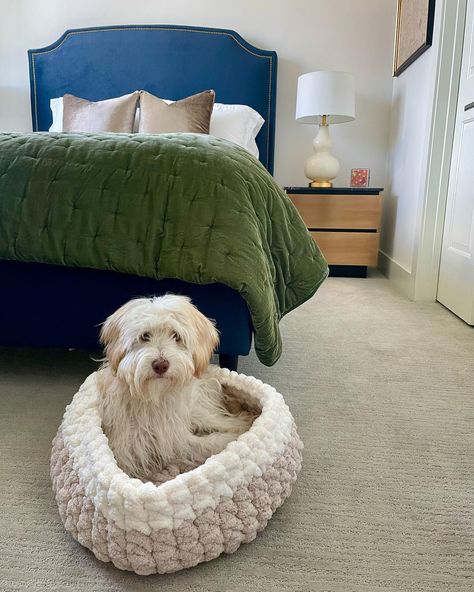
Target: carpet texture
(382, 390)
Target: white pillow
(56, 106)
(237, 123)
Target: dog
(159, 400)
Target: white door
(456, 277)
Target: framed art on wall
(414, 32)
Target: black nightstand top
(334, 190)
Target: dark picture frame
(414, 32)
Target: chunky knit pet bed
(187, 518)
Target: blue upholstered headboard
(169, 61)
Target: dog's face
(157, 343)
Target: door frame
(424, 280)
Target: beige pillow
(192, 114)
(111, 115)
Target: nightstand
(345, 222)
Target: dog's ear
(110, 339)
(110, 334)
(206, 339)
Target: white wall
(307, 35)
(409, 131)
(409, 148)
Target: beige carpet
(383, 392)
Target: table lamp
(324, 98)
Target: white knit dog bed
(193, 517)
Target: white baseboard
(400, 278)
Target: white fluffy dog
(159, 401)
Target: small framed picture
(360, 177)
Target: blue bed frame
(45, 305)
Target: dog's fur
(159, 402)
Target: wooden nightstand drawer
(348, 248)
(344, 222)
(339, 211)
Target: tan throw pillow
(111, 115)
(192, 114)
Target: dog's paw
(205, 446)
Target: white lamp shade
(325, 93)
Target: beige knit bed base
(235, 520)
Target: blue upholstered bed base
(48, 305)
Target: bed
(48, 303)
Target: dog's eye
(145, 336)
(176, 337)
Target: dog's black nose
(160, 366)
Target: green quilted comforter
(180, 206)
